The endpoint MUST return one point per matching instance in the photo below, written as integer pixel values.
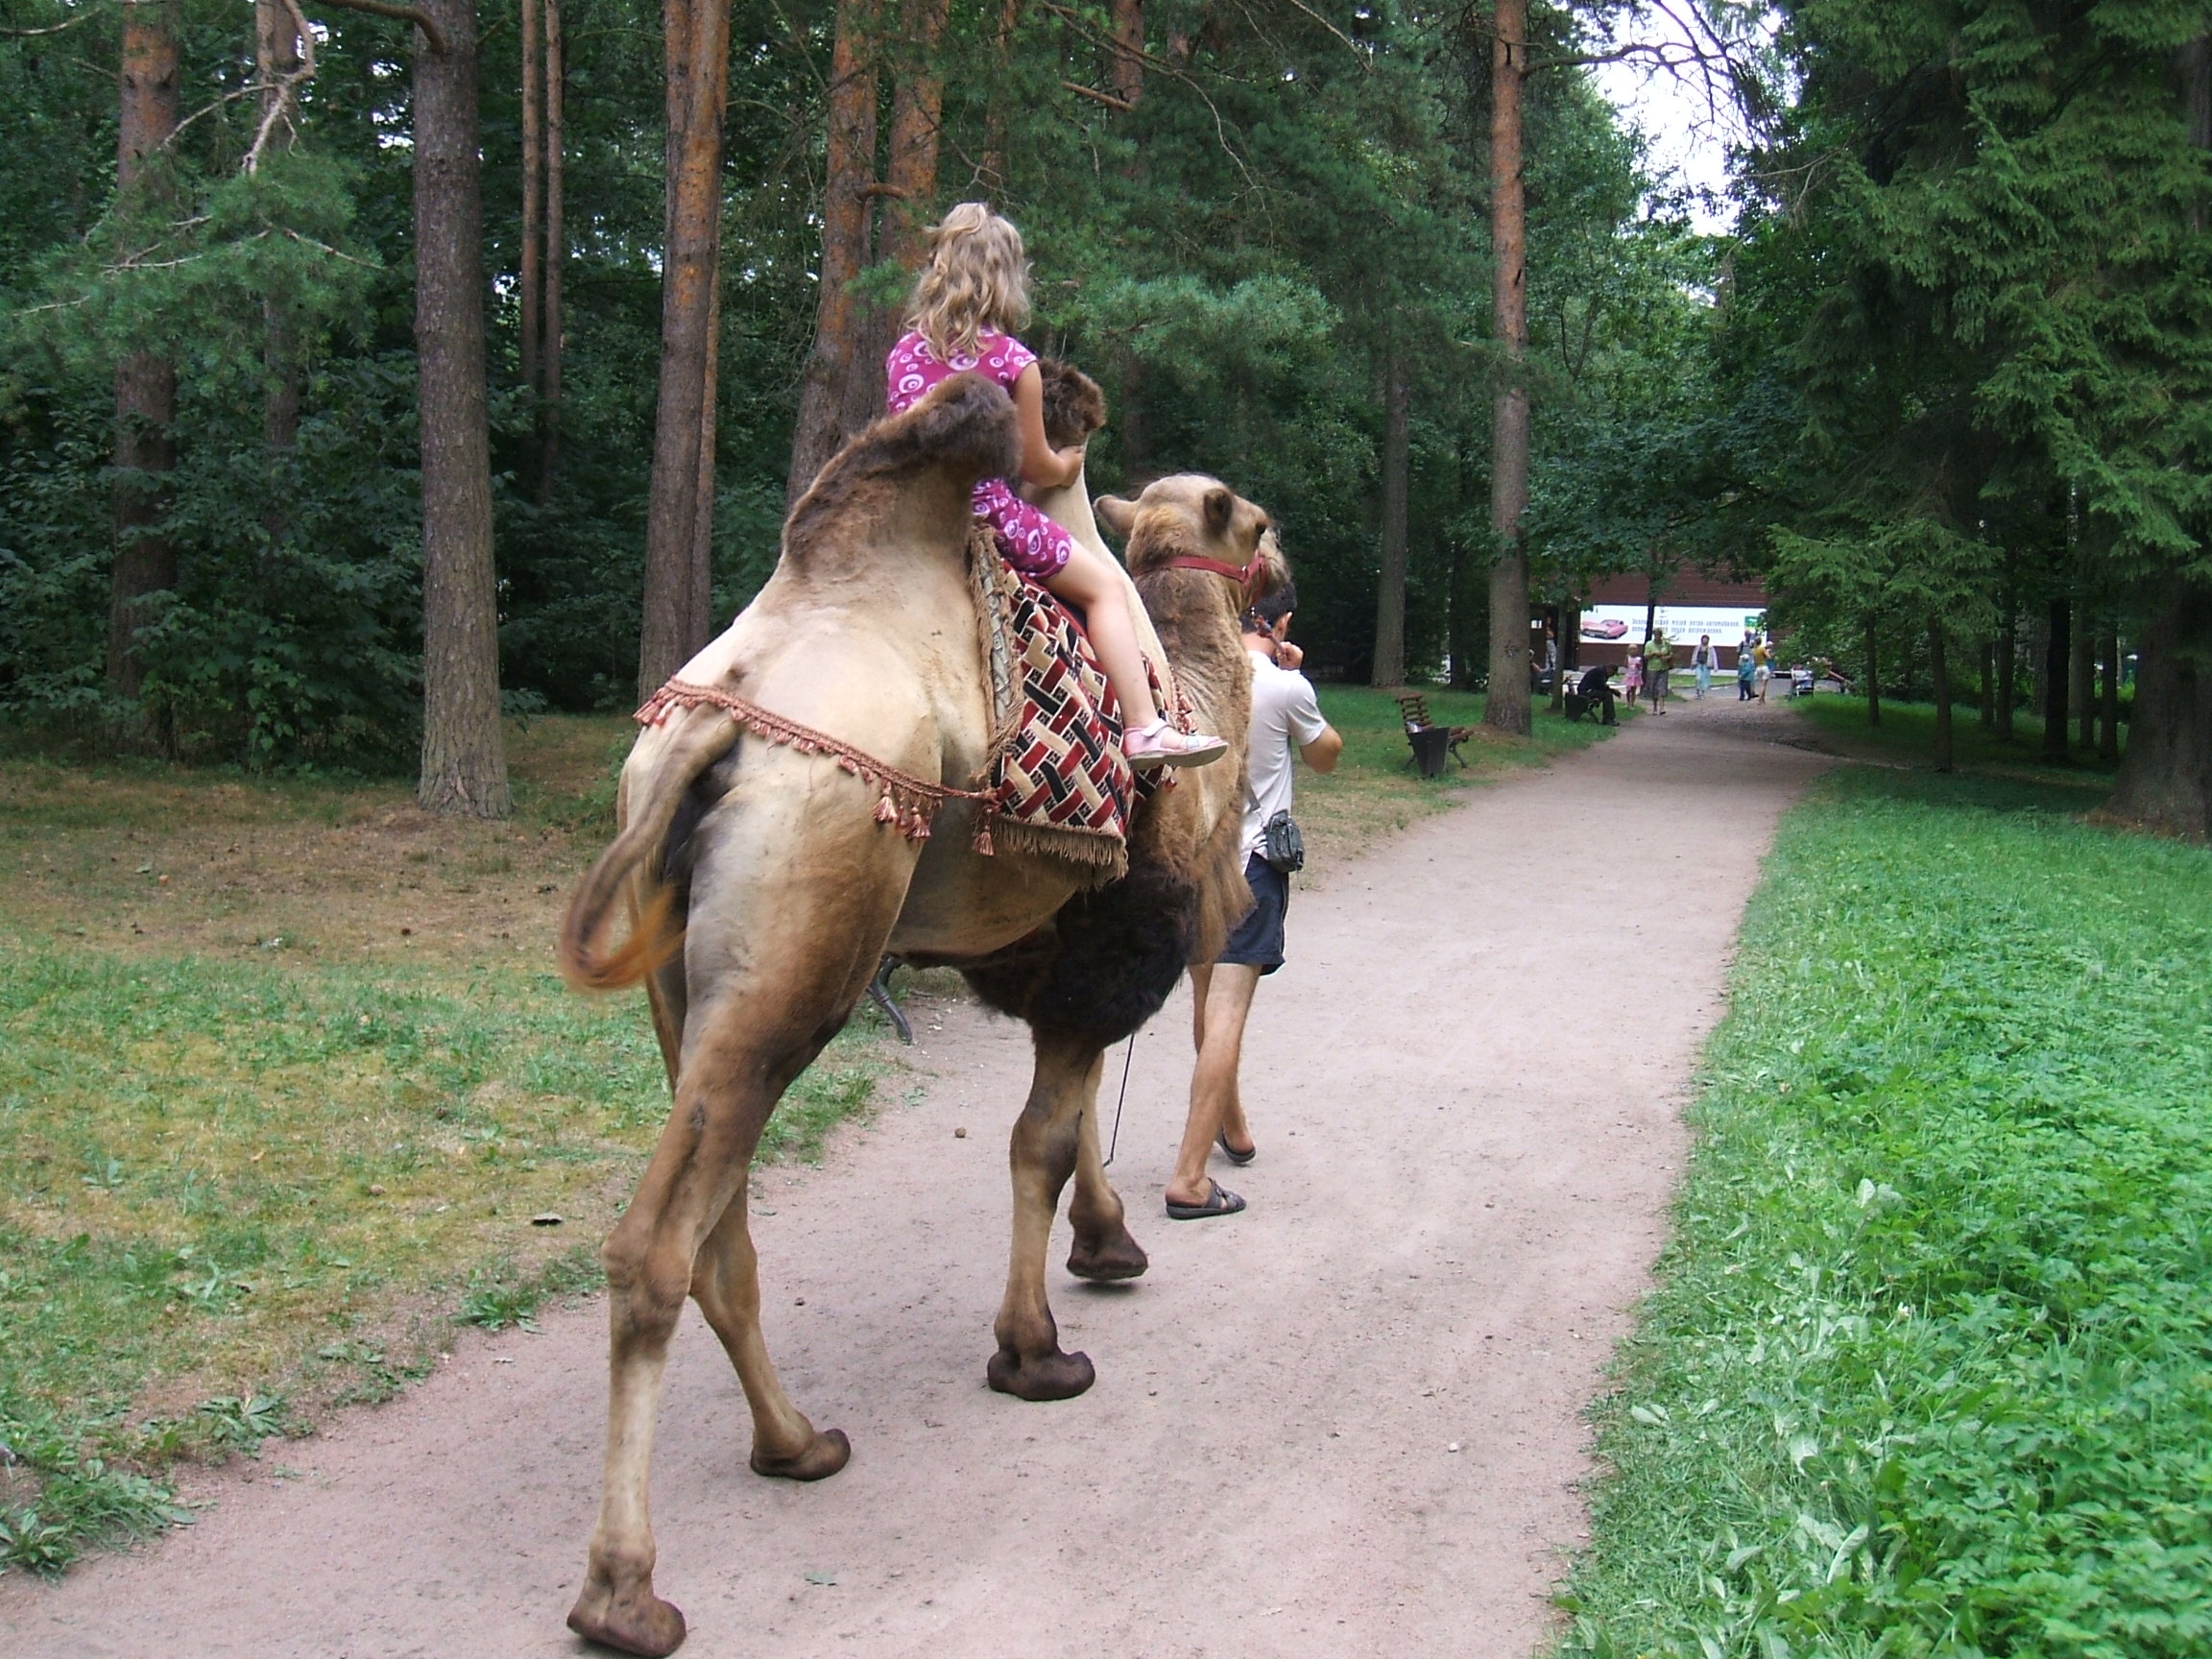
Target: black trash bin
(1432, 747)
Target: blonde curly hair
(977, 280)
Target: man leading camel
(1285, 718)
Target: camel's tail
(631, 864)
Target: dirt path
(1342, 1424)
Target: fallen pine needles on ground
(1930, 1369)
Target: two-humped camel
(787, 890)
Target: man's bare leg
(1222, 1002)
(1231, 1124)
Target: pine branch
(414, 15)
(286, 87)
(1097, 97)
(84, 16)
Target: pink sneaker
(1159, 744)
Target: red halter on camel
(1244, 576)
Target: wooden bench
(1413, 710)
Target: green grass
(1374, 790)
(1906, 736)
(1930, 1369)
(236, 1194)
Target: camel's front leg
(1029, 1363)
(1104, 1251)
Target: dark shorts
(1258, 940)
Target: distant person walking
(1658, 661)
(1287, 726)
(1632, 677)
(1705, 658)
(1746, 665)
(1762, 665)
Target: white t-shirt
(1285, 717)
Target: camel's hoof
(1053, 1376)
(635, 1620)
(829, 1452)
(1108, 1258)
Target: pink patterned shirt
(1028, 541)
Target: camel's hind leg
(727, 1286)
(1047, 1141)
(762, 998)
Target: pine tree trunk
(2165, 780)
(1563, 654)
(698, 58)
(847, 191)
(464, 758)
(556, 254)
(1873, 679)
(1506, 709)
(911, 187)
(1389, 667)
(145, 384)
(699, 599)
(1468, 624)
(1988, 688)
(2108, 708)
(2008, 664)
(533, 195)
(2057, 661)
(1940, 682)
(1129, 34)
(276, 57)
(992, 175)
(2081, 679)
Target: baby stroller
(1801, 681)
(1593, 694)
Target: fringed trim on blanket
(903, 801)
(1100, 856)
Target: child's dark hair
(1265, 612)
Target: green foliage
(1973, 257)
(1927, 1370)
(1295, 202)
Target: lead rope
(1128, 1054)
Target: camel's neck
(1070, 508)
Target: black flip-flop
(1240, 1159)
(1219, 1201)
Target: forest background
(298, 398)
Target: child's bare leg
(1093, 589)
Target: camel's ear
(1117, 514)
(1220, 509)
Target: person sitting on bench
(1596, 690)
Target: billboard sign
(1682, 624)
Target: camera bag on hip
(1281, 844)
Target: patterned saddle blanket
(1057, 781)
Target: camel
(762, 888)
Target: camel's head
(1191, 516)
(1075, 407)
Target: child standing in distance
(973, 291)
(1632, 678)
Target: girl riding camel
(976, 289)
